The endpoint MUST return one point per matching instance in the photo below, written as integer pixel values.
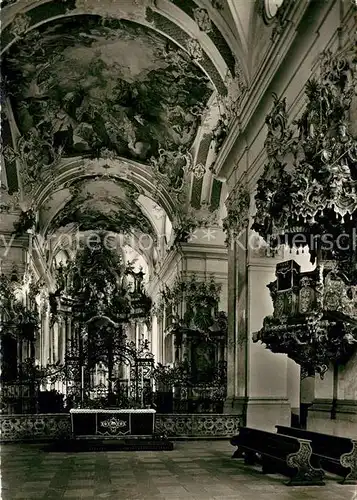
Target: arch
(80, 168)
(170, 22)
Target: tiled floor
(194, 470)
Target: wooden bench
(278, 453)
(335, 454)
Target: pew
(333, 453)
(278, 453)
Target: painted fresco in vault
(103, 204)
(88, 86)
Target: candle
(142, 388)
(82, 383)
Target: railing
(35, 427)
(58, 426)
(197, 425)
(19, 397)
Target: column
(54, 345)
(46, 339)
(236, 226)
(61, 327)
(160, 340)
(66, 337)
(154, 338)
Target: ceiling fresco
(103, 205)
(84, 85)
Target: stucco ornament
(202, 19)
(20, 25)
(172, 167)
(199, 171)
(5, 3)
(237, 219)
(194, 49)
(134, 10)
(9, 202)
(236, 90)
(307, 196)
(209, 219)
(217, 4)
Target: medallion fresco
(84, 85)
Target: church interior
(178, 249)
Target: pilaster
(237, 327)
(267, 399)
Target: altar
(112, 423)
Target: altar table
(112, 423)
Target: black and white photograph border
(178, 249)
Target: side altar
(112, 423)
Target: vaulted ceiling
(84, 87)
(114, 107)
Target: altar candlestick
(142, 388)
(82, 383)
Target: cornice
(347, 406)
(265, 264)
(200, 251)
(177, 255)
(177, 16)
(235, 42)
(20, 240)
(340, 406)
(218, 277)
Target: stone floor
(194, 470)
